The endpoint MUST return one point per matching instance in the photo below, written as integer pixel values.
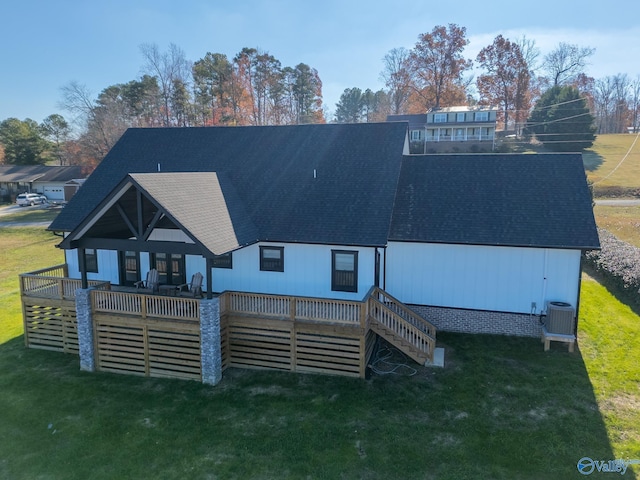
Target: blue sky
(47, 44)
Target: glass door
(129, 268)
(170, 268)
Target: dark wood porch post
(82, 263)
(209, 279)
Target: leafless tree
(566, 62)
(170, 68)
(397, 78)
(634, 104)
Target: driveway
(622, 202)
(9, 209)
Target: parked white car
(25, 199)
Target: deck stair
(401, 326)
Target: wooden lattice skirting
(50, 324)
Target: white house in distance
(474, 243)
(451, 129)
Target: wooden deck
(157, 335)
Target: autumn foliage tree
(438, 65)
(506, 81)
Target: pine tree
(561, 120)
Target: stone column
(85, 330)
(210, 348)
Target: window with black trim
(344, 271)
(222, 261)
(272, 259)
(91, 260)
(171, 268)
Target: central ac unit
(560, 318)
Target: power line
(557, 120)
(621, 161)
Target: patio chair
(193, 289)
(151, 284)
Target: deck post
(210, 341)
(86, 347)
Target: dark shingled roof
(348, 201)
(415, 121)
(515, 200)
(42, 173)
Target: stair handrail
(417, 332)
(406, 313)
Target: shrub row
(617, 263)
(616, 191)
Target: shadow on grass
(501, 408)
(627, 297)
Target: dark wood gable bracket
(124, 227)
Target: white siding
(307, 270)
(506, 279)
(107, 266)
(169, 235)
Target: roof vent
(560, 318)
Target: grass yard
(613, 165)
(31, 214)
(21, 250)
(501, 409)
(623, 222)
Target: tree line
(510, 75)
(253, 88)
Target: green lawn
(613, 165)
(31, 214)
(501, 409)
(623, 222)
(21, 250)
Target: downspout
(384, 275)
(575, 332)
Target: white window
(481, 116)
(439, 118)
(460, 117)
(416, 135)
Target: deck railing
(156, 306)
(403, 323)
(53, 283)
(294, 308)
(400, 309)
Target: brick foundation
(480, 321)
